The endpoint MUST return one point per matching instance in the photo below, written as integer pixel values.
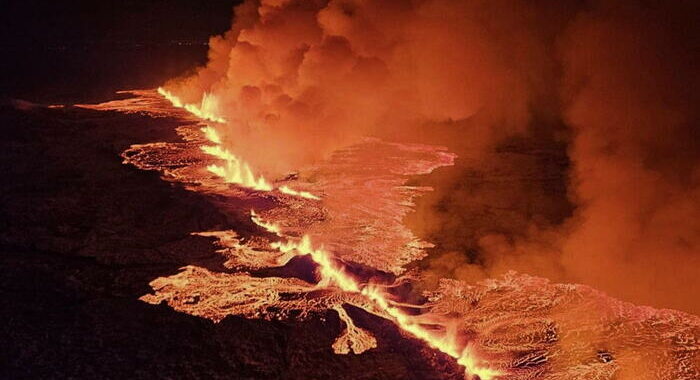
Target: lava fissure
(518, 326)
(234, 169)
(333, 273)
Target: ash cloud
(610, 86)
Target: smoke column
(297, 79)
(632, 104)
(614, 83)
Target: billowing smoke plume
(629, 100)
(632, 102)
(612, 85)
(296, 78)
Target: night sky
(47, 22)
(84, 50)
(559, 141)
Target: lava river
(331, 237)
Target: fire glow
(333, 273)
(358, 96)
(234, 170)
(207, 110)
(516, 326)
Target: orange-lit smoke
(629, 102)
(296, 79)
(614, 81)
(233, 169)
(632, 101)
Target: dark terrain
(82, 236)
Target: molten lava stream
(333, 273)
(234, 170)
(239, 172)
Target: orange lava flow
(333, 273)
(268, 226)
(304, 194)
(234, 169)
(207, 110)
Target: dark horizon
(47, 23)
(83, 51)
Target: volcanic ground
(124, 257)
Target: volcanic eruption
(488, 189)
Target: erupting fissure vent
(334, 274)
(207, 110)
(514, 326)
(234, 170)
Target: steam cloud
(613, 82)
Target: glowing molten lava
(234, 170)
(207, 110)
(515, 326)
(333, 273)
(304, 194)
